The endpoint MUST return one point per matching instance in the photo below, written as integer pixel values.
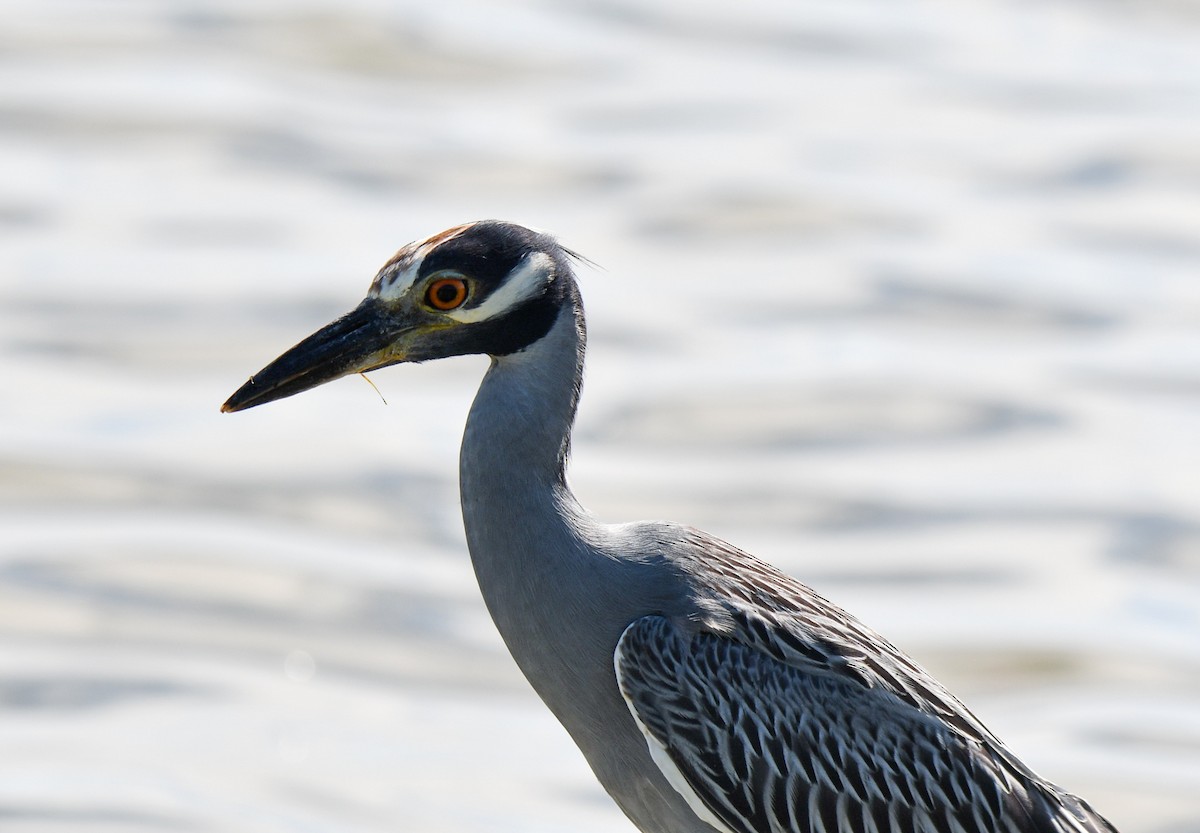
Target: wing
(760, 745)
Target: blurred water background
(901, 296)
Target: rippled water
(900, 296)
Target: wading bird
(707, 690)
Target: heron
(707, 690)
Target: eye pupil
(446, 293)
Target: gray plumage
(707, 690)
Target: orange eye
(446, 293)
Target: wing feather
(769, 739)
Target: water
(900, 296)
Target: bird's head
(485, 287)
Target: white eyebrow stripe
(401, 282)
(526, 281)
(395, 285)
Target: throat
(542, 562)
(519, 429)
(525, 530)
(512, 469)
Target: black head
(487, 287)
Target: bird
(708, 691)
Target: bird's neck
(519, 513)
(557, 583)
(519, 429)
(533, 547)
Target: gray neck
(560, 587)
(519, 427)
(543, 564)
(525, 530)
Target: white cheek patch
(527, 281)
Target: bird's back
(781, 712)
